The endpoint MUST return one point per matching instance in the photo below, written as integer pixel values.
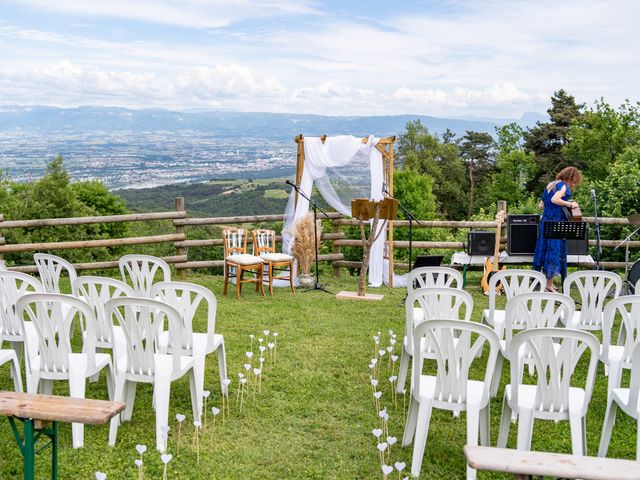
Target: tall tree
(476, 150)
(547, 140)
(422, 152)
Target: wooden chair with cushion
(264, 246)
(236, 257)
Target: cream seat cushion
(276, 257)
(243, 259)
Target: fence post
(180, 272)
(335, 249)
(2, 239)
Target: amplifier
(481, 243)
(522, 234)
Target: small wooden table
(524, 464)
(40, 415)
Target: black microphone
(289, 183)
(593, 193)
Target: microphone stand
(315, 207)
(412, 219)
(597, 228)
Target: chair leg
(525, 429)
(261, 283)
(505, 424)
(420, 440)
(118, 396)
(196, 396)
(293, 288)
(270, 278)
(577, 433)
(410, 426)
(15, 373)
(222, 367)
(402, 372)
(485, 426)
(607, 428)
(474, 417)
(129, 399)
(198, 372)
(161, 392)
(226, 278)
(497, 373)
(77, 386)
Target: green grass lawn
(314, 417)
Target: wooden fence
(181, 223)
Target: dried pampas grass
(304, 248)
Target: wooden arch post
(385, 147)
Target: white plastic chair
(627, 400)
(52, 355)
(186, 298)
(423, 277)
(141, 270)
(552, 397)
(14, 285)
(431, 303)
(527, 311)
(141, 361)
(617, 357)
(7, 355)
(514, 282)
(96, 291)
(593, 287)
(50, 268)
(457, 344)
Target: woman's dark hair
(570, 175)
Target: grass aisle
(314, 417)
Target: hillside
(214, 198)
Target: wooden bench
(40, 415)
(524, 464)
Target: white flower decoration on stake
(180, 418)
(266, 333)
(386, 470)
(251, 337)
(166, 458)
(139, 464)
(275, 348)
(215, 411)
(196, 437)
(225, 396)
(205, 395)
(101, 476)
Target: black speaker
(481, 243)
(522, 234)
(579, 247)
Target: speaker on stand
(522, 234)
(481, 243)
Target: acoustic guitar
(491, 266)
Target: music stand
(564, 230)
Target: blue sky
(494, 58)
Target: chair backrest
(554, 353)
(264, 241)
(514, 282)
(14, 285)
(3, 266)
(626, 308)
(186, 298)
(96, 291)
(141, 271)
(537, 310)
(435, 303)
(423, 277)
(593, 287)
(235, 240)
(457, 345)
(53, 315)
(50, 269)
(142, 320)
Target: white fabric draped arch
(336, 167)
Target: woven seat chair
(264, 246)
(237, 258)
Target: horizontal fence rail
(339, 237)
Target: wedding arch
(342, 168)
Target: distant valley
(144, 148)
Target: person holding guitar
(551, 255)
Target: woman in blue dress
(551, 255)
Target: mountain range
(273, 126)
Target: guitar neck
(496, 248)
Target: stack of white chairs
(593, 286)
(142, 360)
(51, 354)
(186, 298)
(456, 344)
(431, 303)
(555, 352)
